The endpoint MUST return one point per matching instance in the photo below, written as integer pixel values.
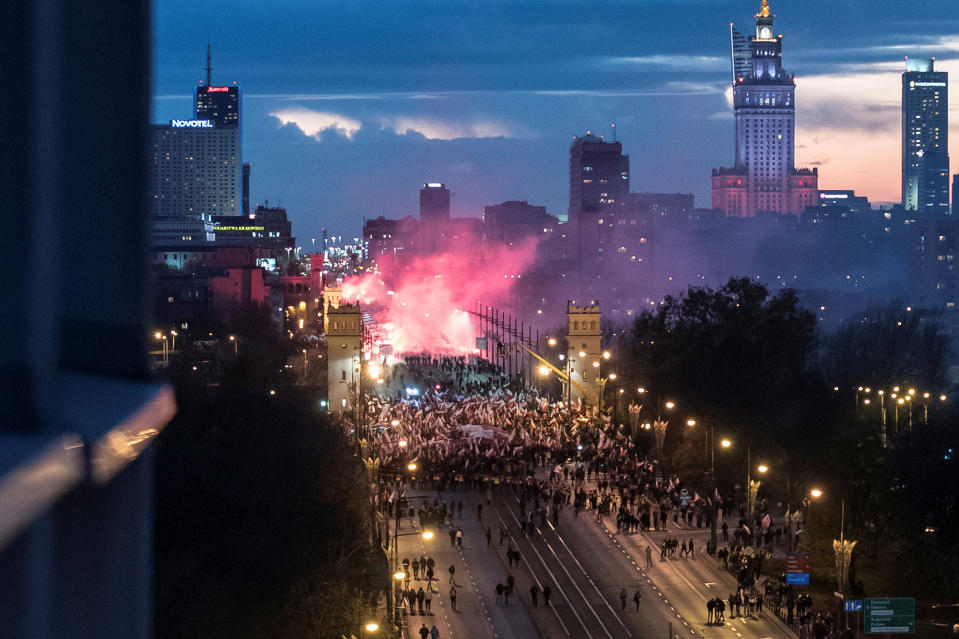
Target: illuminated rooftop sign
(191, 124)
(927, 84)
(239, 228)
(217, 89)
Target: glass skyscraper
(925, 138)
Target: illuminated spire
(209, 66)
(763, 10)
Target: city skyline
(517, 81)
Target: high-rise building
(434, 203)
(196, 164)
(925, 138)
(598, 175)
(955, 193)
(247, 167)
(221, 104)
(764, 178)
(195, 169)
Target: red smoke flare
(421, 301)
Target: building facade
(434, 203)
(598, 175)
(925, 138)
(584, 342)
(344, 339)
(764, 178)
(196, 166)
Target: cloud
(670, 62)
(439, 129)
(315, 123)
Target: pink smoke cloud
(421, 302)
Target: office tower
(196, 164)
(221, 104)
(764, 178)
(925, 138)
(247, 167)
(598, 175)
(434, 203)
(955, 192)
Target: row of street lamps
(899, 397)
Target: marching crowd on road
(480, 434)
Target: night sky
(348, 107)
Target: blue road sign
(797, 579)
(852, 605)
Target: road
(587, 565)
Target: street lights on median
(710, 440)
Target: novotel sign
(191, 124)
(217, 89)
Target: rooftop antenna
(614, 129)
(209, 66)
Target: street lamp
(235, 346)
(710, 437)
(842, 548)
(166, 351)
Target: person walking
(637, 599)
(649, 557)
(710, 607)
(499, 594)
(420, 597)
(534, 594)
(489, 533)
(416, 568)
(622, 598)
(453, 598)
(424, 632)
(429, 602)
(547, 592)
(434, 632)
(692, 549)
(452, 572)
(459, 538)
(479, 511)
(453, 537)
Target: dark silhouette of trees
(888, 344)
(262, 515)
(733, 356)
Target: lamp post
(710, 444)
(751, 494)
(235, 346)
(166, 353)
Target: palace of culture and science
(764, 178)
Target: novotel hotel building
(196, 165)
